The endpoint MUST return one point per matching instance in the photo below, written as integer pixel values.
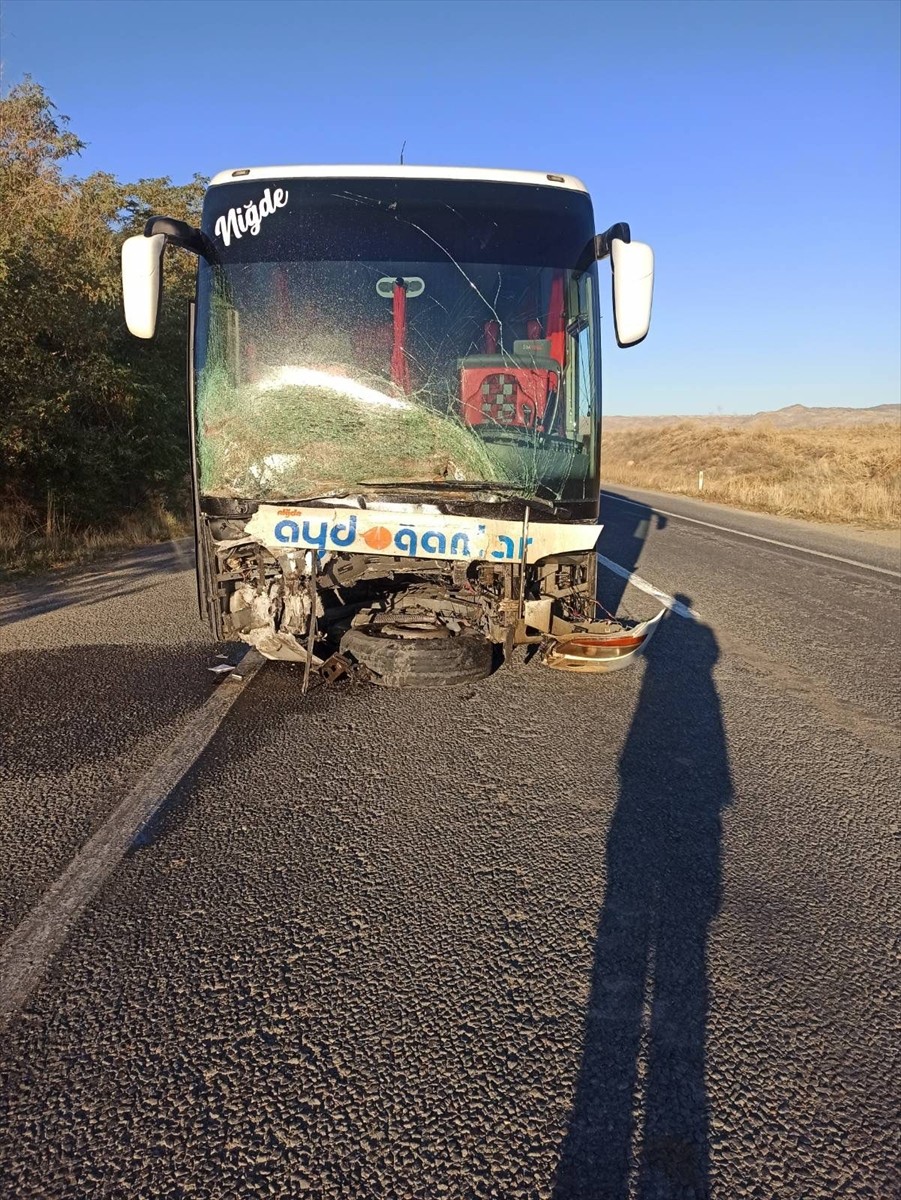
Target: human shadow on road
(640, 1114)
(626, 526)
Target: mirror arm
(604, 241)
(180, 233)
(599, 246)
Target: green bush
(92, 422)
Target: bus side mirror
(632, 264)
(142, 282)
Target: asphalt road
(550, 937)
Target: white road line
(29, 950)
(676, 606)
(850, 562)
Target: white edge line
(850, 562)
(30, 948)
(676, 606)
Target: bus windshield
(396, 330)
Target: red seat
(500, 394)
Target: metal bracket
(334, 667)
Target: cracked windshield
(396, 332)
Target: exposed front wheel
(396, 660)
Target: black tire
(426, 662)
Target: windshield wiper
(339, 495)
(466, 485)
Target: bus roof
(397, 171)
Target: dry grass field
(843, 473)
(26, 546)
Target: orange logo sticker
(378, 537)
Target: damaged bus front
(394, 386)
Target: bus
(395, 409)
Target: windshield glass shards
(396, 330)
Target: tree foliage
(91, 421)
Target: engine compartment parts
(408, 619)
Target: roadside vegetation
(93, 450)
(849, 474)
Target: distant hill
(795, 416)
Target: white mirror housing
(142, 282)
(632, 264)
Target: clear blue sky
(755, 145)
